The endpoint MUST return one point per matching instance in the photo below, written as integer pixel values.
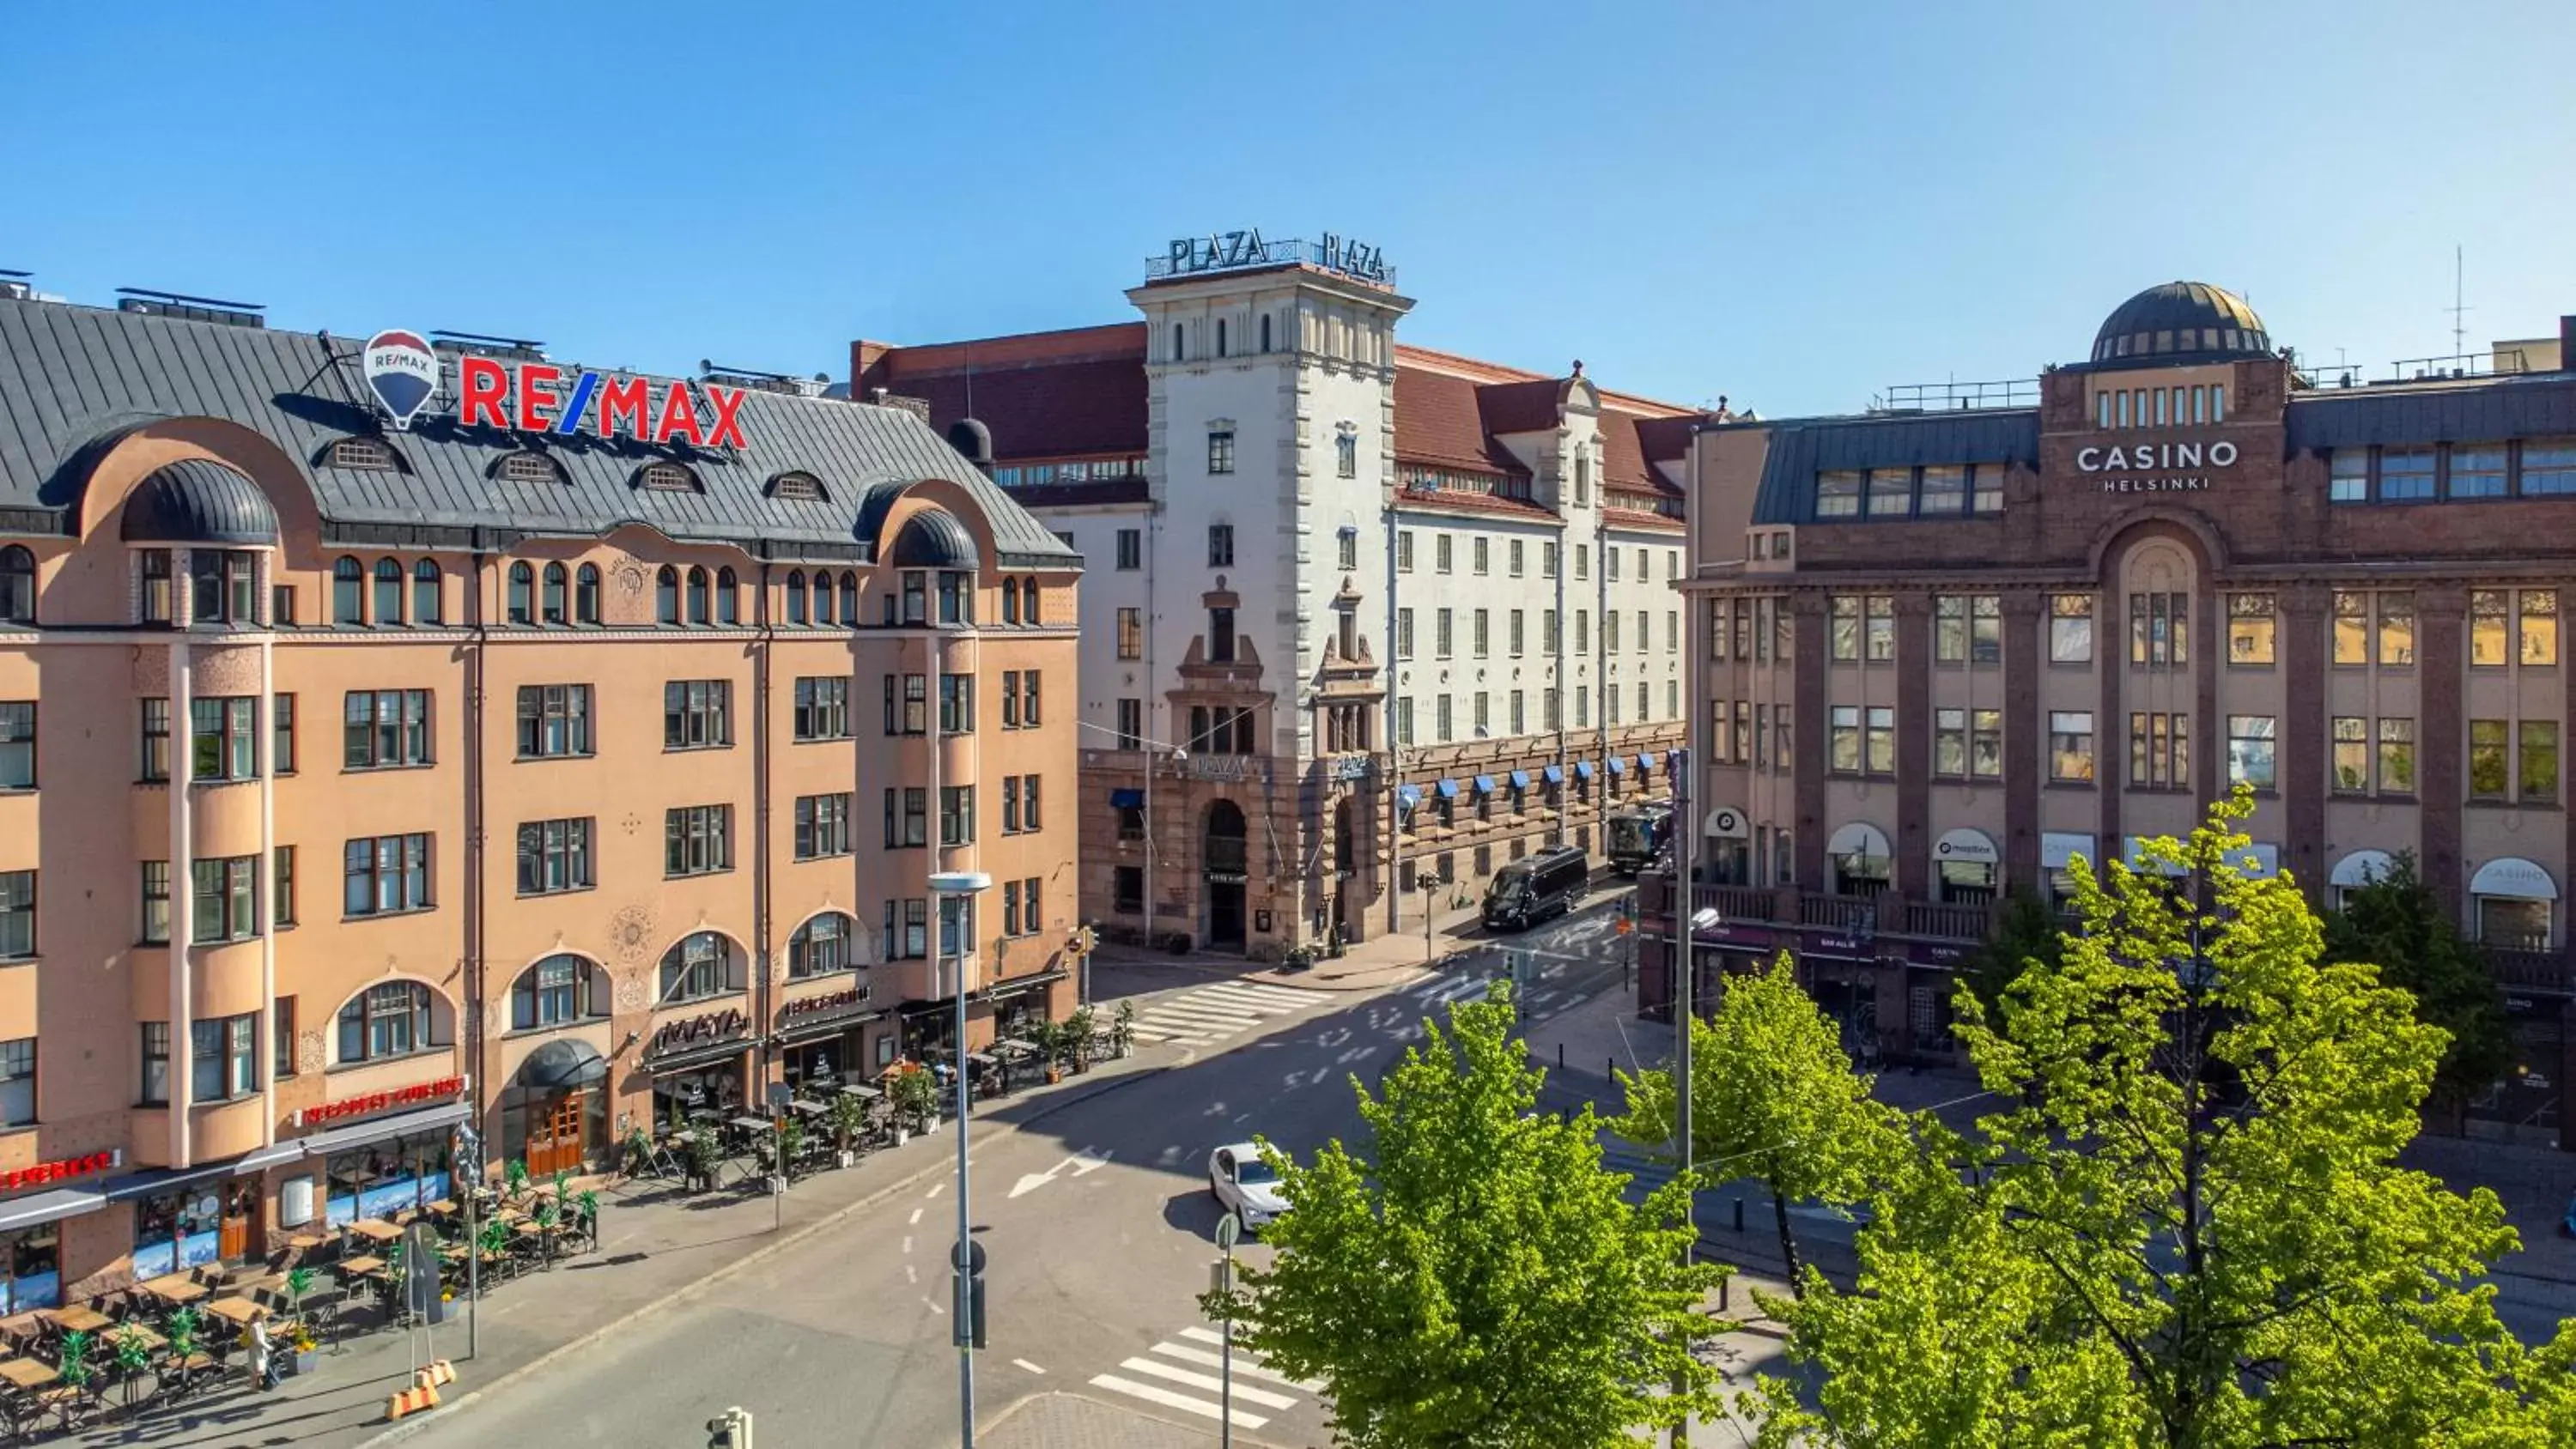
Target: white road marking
(907, 1238)
(911, 1274)
(915, 1218)
(1243, 1393)
(935, 1187)
(1165, 1397)
(1024, 1363)
(1241, 1356)
(932, 1304)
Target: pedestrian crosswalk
(1213, 1013)
(1189, 1372)
(1447, 990)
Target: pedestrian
(263, 1363)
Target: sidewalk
(658, 1248)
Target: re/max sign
(539, 397)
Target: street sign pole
(1229, 1229)
(467, 1168)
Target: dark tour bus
(1531, 890)
(1636, 834)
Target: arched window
(554, 595)
(523, 588)
(666, 595)
(700, 966)
(348, 592)
(1028, 601)
(427, 605)
(822, 597)
(585, 595)
(697, 596)
(17, 585)
(728, 607)
(821, 946)
(558, 991)
(796, 596)
(389, 600)
(391, 1019)
(850, 599)
(1010, 601)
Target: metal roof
(2489, 410)
(198, 500)
(1801, 450)
(73, 378)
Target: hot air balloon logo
(402, 371)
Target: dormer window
(801, 486)
(370, 455)
(530, 467)
(667, 478)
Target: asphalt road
(1099, 1232)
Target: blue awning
(1127, 799)
(1618, 765)
(1520, 779)
(1484, 784)
(1407, 796)
(1646, 760)
(1552, 775)
(1583, 769)
(1447, 789)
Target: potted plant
(639, 1153)
(791, 1143)
(133, 1356)
(181, 1330)
(586, 1203)
(1122, 1029)
(700, 1161)
(1299, 957)
(849, 1117)
(299, 1333)
(514, 1181)
(73, 1361)
(1077, 1033)
(916, 1102)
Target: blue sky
(1794, 207)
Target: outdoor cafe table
(81, 1320)
(26, 1373)
(751, 1124)
(361, 1266)
(810, 1109)
(238, 1312)
(375, 1230)
(864, 1094)
(175, 1290)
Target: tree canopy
(1472, 1275)
(2183, 1225)
(2394, 921)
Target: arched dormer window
(428, 602)
(363, 455)
(822, 597)
(393, 1019)
(668, 478)
(804, 487)
(666, 595)
(17, 585)
(523, 591)
(728, 605)
(348, 592)
(821, 946)
(585, 595)
(556, 581)
(796, 596)
(559, 991)
(389, 591)
(700, 965)
(697, 596)
(850, 599)
(530, 467)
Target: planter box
(293, 1364)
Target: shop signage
(1841, 943)
(539, 397)
(60, 1170)
(1354, 767)
(1970, 847)
(1726, 933)
(366, 1102)
(402, 371)
(1353, 258)
(1225, 767)
(1219, 250)
(1934, 953)
(706, 1030)
(2156, 467)
(814, 1010)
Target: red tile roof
(1043, 394)
(1439, 421)
(1629, 518)
(1446, 500)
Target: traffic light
(730, 1429)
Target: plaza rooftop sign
(1226, 251)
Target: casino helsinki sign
(2156, 467)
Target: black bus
(1636, 834)
(1536, 888)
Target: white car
(1245, 1185)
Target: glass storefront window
(31, 1269)
(386, 1177)
(177, 1229)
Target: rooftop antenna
(2458, 309)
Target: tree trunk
(1788, 1241)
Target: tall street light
(953, 889)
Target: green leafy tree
(2026, 930)
(1477, 1279)
(2183, 1227)
(2395, 922)
(1773, 1097)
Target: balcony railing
(1747, 904)
(1842, 913)
(2531, 970)
(1954, 923)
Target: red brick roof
(1440, 421)
(1628, 518)
(1043, 395)
(1447, 500)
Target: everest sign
(539, 397)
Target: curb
(409, 1426)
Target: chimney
(865, 364)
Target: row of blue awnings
(1127, 799)
(1408, 796)
(1520, 779)
(1583, 769)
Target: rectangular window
(957, 704)
(1010, 699)
(2348, 476)
(697, 840)
(1443, 727)
(1748, 727)
(1547, 639)
(1404, 550)
(18, 1086)
(2548, 466)
(697, 714)
(822, 826)
(1480, 718)
(1945, 491)
(383, 874)
(281, 874)
(1220, 545)
(2351, 754)
(2070, 746)
(281, 1038)
(1515, 632)
(2070, 628)
(1441, 621)
(2250, 629)
(1479, 560)
(222, 742)
(17, 915)
(18, 743)
(1547, 559)
(1520, 716)
(1610, 565)
(2396, 756)
(1583, 631)
(1131, 548)
(1838, 494)
(223, 1057)
(956, 815)
(1481, 632)
(2488, 618)
(224, 894)
(1672, 631)
(1989, 495)
(1845, 610)
(2160, 751)
(1220, 450)
(1985, 741)
(2397, 630)
(2536, 758)
(1131, 724)
(1128, 890)
(1610, 631)
(385, 729)
(1131, 633)
(2539, 626)
(1404, 633)
(822, 708)
(1891, 492)
(2250, 753)
(1347, 549)
(1950, 743)
(907, 817)
(2477, 470)
(155, 1056)
(1845, 740)
(2405, 475)
(281, 736)
(1442, 555)
(554, 855)
(2160, 630)
(2352, 628)
(1950, 628)
(1882, 740)
(1582, 561)
(1879, 638)
(1512, 557)
(155, 894)
(2489, 769)
(1582, 706)
(1404, 721)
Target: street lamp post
(1228, 1229)
(950, 888)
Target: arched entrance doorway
(1223, 866)
(554, 1113)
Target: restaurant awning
(1125, 799)
(1725, 823)
(1645, 759)
(1583, 769)
(1552, 774)
(1407, 796)
(2513, 878)
(1966, 845)
(2362, 867)
(1618, 764)
(561, 1064)
(377, 1129)
(1484, 784)
(1860, 838)
(1004, 990)
(2057, 847)
(825, 1024)
(47, 1207)
(1520, 779)
(723, 1051)
(1446, 789)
